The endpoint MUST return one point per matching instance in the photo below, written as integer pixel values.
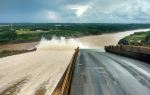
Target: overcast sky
(75, 11)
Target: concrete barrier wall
(5, 53)
(63, 86)
(136, 52)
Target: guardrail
(64, 84)
(136, 52)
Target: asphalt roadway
(100, 73)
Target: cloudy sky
(75, 11)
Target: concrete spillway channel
(102, 73)
(37, 72)
(63, 87)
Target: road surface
(100, 73)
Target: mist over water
(60, 43)
(89, 42)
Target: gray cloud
(121, 11)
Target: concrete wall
(136, 52)
(64, 84)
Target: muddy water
(42, 68)
(38, 72)
(99, 41)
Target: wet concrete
(100, 73)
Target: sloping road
(100, 73)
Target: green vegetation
(139, 38)
(26, 32)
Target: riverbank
(137, 39)
(5, 53)
(18, 46)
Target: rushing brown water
(99, 41)
(41, 70)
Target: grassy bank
(137, 39)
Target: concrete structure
(137, 52)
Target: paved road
(100, 73)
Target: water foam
(60, 43)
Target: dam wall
(136, 52)
(64, 84)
